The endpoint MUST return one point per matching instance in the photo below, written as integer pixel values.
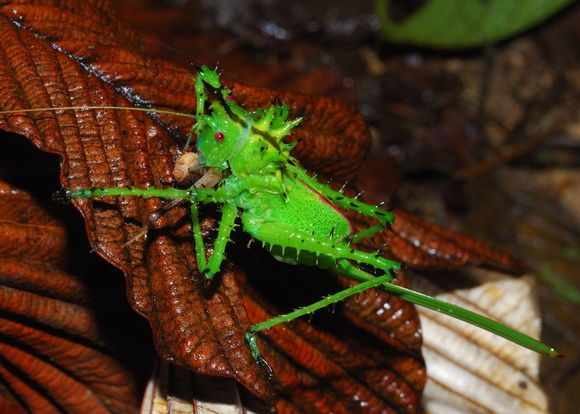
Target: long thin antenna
(87, 107)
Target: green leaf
(453, 24)
(558, 284)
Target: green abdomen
(305, 211)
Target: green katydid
(298, 219)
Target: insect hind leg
(337, 255)
(329, 300)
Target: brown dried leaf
(320, 367)
(50, 64)
(423, 245)
(54, 358)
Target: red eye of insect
(219, 136)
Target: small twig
(503, 156)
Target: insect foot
(208, 274)
(260, 360)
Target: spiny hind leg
(450, 309)
(337, 255)
(384, 217)
(343, 267)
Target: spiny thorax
(256, 156)
(263, 150)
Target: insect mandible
(297, 218)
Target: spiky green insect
(298, 219)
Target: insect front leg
(201, 97)
(227, 223)
(197, 239)
(165, 193)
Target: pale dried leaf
(174, 390)
(474, 371)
